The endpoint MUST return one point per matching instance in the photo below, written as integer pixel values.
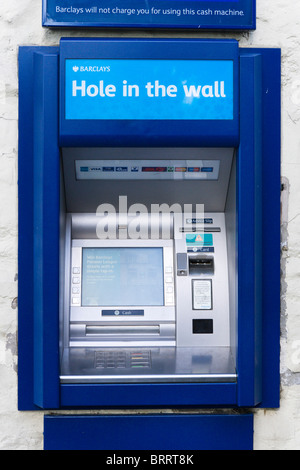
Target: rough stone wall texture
(278, 25)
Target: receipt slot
(149, 209)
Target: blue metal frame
(150, 432)
(46, 183)
(25, 241)
(270, 193)
(250, 279)
(35, 316)
(259, 278)
(259, 231)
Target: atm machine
(146, 295)
(149, 189)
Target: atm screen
(122, 277)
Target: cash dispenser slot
(114, 334)
(122, 330)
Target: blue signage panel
(149, 92)
(196, 14)
(154, 89)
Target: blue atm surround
(254, 131)
(150, 432)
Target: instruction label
(202, 294)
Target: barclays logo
(91, 68)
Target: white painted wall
(278, 25)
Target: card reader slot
(201, 264)
(118, 330)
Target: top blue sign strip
(143, 14)
(167, 89)
(149, 92)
